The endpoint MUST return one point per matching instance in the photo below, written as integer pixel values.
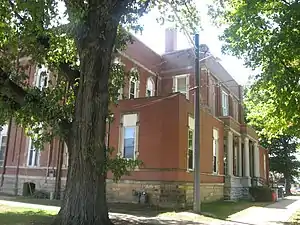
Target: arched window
(134, 84)
(150, 89)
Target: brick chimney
(170, 40)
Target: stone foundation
(164, 194)
(236, 188)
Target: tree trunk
(288, 184)
(84, 201)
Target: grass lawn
(22, 216)
(223, 209)
(219, 209)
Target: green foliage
(261, 193)
(266, 35)
(282, 152)
(34, 29)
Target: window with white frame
(191, 149)
(225, 104)
(181, 84)
(235, 106)
(33, 159)
(150, 89)
(129, 136)
(3, 142)
(65, 156)
(42, 77)
(134, 84)
(265, 166)
(215, 150)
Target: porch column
(240, 159)
(256, 160)
(246, 158)
(229, 153)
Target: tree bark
(84, 201)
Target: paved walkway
(276, 213)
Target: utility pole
(197, 199)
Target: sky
(154, 37)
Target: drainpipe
(18, 165)
(6, 152)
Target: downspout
(6, 152)
(18, 165)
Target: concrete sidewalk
(276, 213)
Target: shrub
(261, 193)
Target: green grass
(223, 209)
(219, 209)
(21, 216)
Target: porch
(241, 164)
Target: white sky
(154, 37)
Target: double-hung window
(215, 150)
(33, 155)
(42, 77)
(225, 104)
(150, 87)
(181, 84)
(134, 84)
(3, 141)
(191, 149)
(129, 136)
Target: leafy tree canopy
(266, 35)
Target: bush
(261, 193)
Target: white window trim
(38, 76)
(34, 155)
(152, 90)
(225, 108)
(124, 124)
(4, 133)
(216, 141)
(191, 126)
(175, 84)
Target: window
(3, 139)
(65, 156)
(212, 96)
(181, 84)
(235, 106)
(225, 104)
(265, 166)
(150, 87)
(191, 149)
(42, 77)
(134, 84)
(129, 136)
(215, 150)
(33, 155)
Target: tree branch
(70, 73)
(11, 90)
(13, 6)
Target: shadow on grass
(25, 218)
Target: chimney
(170, 40)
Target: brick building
(155, 124)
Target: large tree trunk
(84, 201)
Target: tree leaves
(266, 35)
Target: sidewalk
(276, 213)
